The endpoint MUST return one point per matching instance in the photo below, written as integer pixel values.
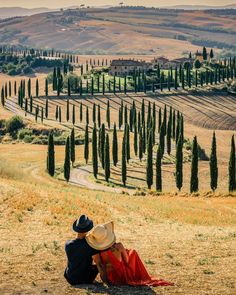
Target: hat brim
(107, 242)
(82, 230)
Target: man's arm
(101, 268)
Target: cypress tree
(67, 160)
(135, 140)
(204, 53)
(37, 88)
(162, 139)
(107, 159)
(127, 140)
(143, 112)
(81, 112)
(26, 106)
(73, 115)
(139, 121)
(179, 164)
(2, 97)
(165, 120)
(232, 177)
(102, 145)
(124, 170)
(68, 87)
(86, 144)
(173, 125)
(158, 170)
(51, 155)
(213, 164)
(126, 115)
(144, 138)
(108, 115)
(159, 120)
(46, 108)
(194, 167)
(120, 118)
(72, 146)
(29, 87)
(140, 149)
(42, 114)
(87, 115)
(99, 116)
(59, 115)
(31, 104)
(168, 136)
(46, 87)
(115, 146)
(149, 167)
(95, 152)
(67, 110)
(94, 113)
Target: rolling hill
(127, 30)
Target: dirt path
(80, 176)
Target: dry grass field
(109, 31)
(189, 240)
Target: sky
(66, 3)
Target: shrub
(23, 132)
(197, 64)
(28, 138)
(14, 124)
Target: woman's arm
(101, 268)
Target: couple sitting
(116, 265)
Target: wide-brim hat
(82, 224)
(102, 236)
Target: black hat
(83, 224)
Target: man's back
(79, 268)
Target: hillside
(124, 30)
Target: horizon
(150, 3)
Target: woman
(118, 266)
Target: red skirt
(134, 273)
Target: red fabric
(134, 273)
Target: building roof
(161, 58)
(127, 62)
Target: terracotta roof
(127, 62)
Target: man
(80, 268)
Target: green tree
(107, 159)
(73, 114)
(86, 144)
(162, 139)
(204, 53)
(29, 87)
(211, 53)
(67, 110)
(158, 170)
(51, 155)
(232, 172)
(94, 113)
(87, 115)
(99, 116)
(140, 149)
(108, 118)
(72, 146)
(127, 140)
(124, 169)
(149, 167)
(179, 164)
(160, 120)
(37, 88)
(46, 108)
(115, 146)
(102, 145)
(194, 167)
(81, 112)
(135, 140)
(67, 160)
(95, 152)
(46, 87)
(213, 164)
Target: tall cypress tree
(162, 139)
(115, 146)
(102, 145)
(107, 159)
(124, 169)
(86, 144)
(127, 140)
(159, 120)
(29, 87)
(149, 167)
(72, 146)
(158, 170)
(179, 164)
(168, 136)
(232, 172)
(135, 140)
(37, 88)
(51, 155)
(143, 112)
(67, 160)
(95, 152)
(67, 110)
(99, 116)
(87, 115)
(46, 109)
(194, 167)
(94, 113)
(108, 118)
(73, 115)
(165, 120)
(46, 87)
(213, 164)
(140, 148)
(81, 112)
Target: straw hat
(102, 236)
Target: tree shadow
(116, 290)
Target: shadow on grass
(116, 290)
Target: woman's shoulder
(118, 246)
